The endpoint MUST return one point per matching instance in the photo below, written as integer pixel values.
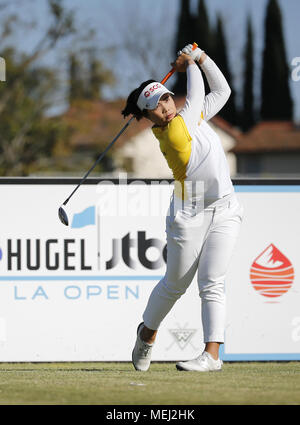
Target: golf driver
(61, 211)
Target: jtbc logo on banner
(122, 248)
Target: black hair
(131, 104)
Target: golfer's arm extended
(191, 112)
(220, 90)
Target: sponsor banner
(77, 293)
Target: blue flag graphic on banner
(85, 218)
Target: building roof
(94, 124)
(269, 136)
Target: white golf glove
(194, 54)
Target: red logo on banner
(272, 273)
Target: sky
(117, 21)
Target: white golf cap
(150, 96)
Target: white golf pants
(200, 243)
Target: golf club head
(63, 216)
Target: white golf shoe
(141, 354)
(203, 363)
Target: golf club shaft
(99, 159)
(169, 74)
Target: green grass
(118, 384)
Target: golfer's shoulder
(178, 132)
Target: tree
(142, 47)
(203, 33)
(28, 137)
(276, 103)
(61, 27)
(248, 115)
(76, 82)
(86, 81)
(220, 56)
(98, 77)
(185, 35)
(25, 134)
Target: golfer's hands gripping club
(182, 62)
(189, 54)
(170, 73)
(194, 52)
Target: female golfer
(204, 217)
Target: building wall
(142, 158)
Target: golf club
(61, 211)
